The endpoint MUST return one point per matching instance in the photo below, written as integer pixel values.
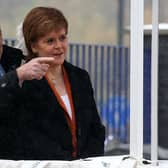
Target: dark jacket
(10, 60)
(44, 133)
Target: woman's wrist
(20, 74)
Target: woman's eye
(50, 41)
(62, 38)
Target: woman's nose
(57, 44)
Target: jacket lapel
(57, 111)
(75, 90)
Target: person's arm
(10, 79)
(34, 69)
(10, 59)
(10, 87)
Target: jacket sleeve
(11, 59)
(9, 89)
(9, 80)
(96, 135)
(9, 83)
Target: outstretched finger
(45, 60)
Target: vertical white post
(154, 82)
(136, 79)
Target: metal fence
(108, 67)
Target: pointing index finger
(47, 60)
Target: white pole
(136, 79)
(154, 82)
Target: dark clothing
(44, 133)
(10, 60)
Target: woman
(58, 115)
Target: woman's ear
(34, 48)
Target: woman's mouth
(58, 54)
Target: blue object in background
(147, 96)
(117, 109)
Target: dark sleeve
(11, 58)
(9, 83)
(9, 80)
(10, 61)
(9, 118)
(9, 90)
(96, 135)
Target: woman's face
(54, 44)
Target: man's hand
(34, 69)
